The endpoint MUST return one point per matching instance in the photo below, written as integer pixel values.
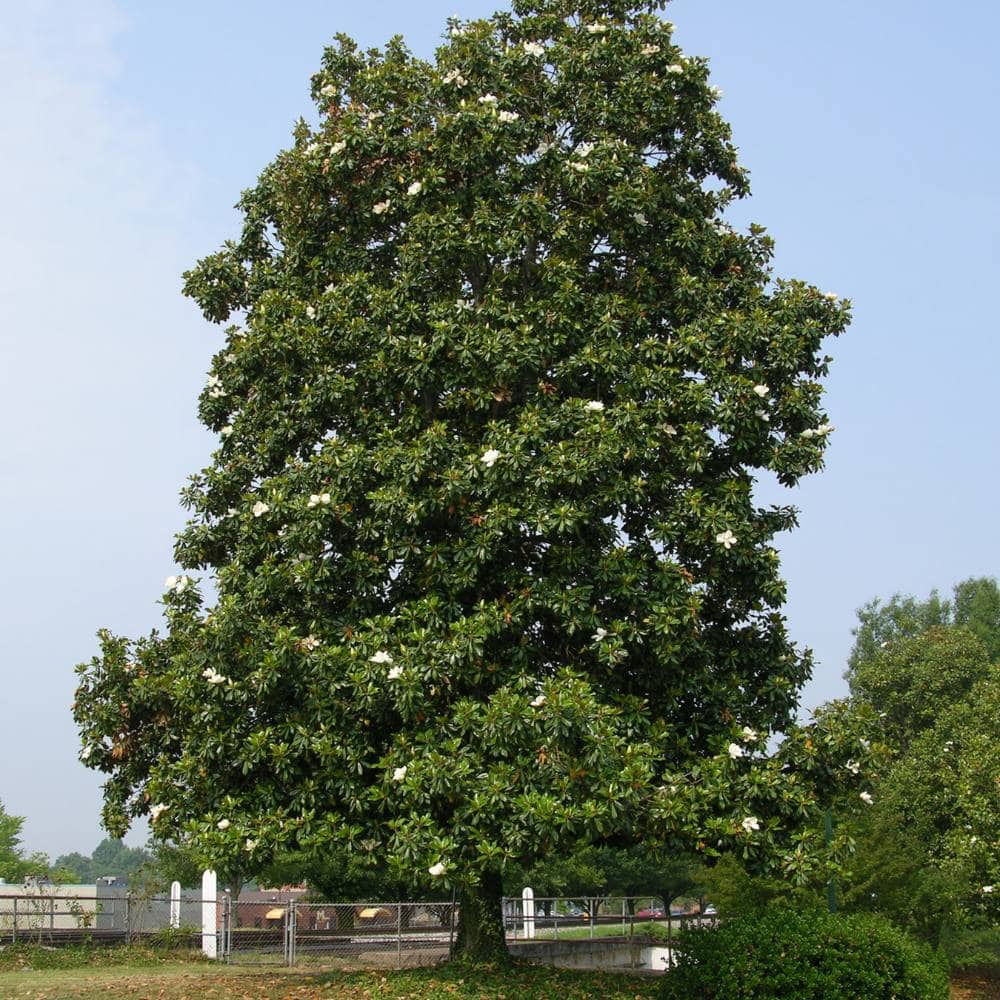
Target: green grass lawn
(135, 974)
(204, 981)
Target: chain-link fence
(281, 929)
(567, 918)
(371, 935)
(51, 915)
(256, 932)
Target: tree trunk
(480, 936)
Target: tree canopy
(491, 575)
(927, 850)
(10, 850)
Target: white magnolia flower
(86, 752)
(716, 92)
(229, 358)
(748, 733)
(580, 168)
(330, 90)
(455, 31)
(584, 150)
(488, 99)
(542, 148)
(534, 48)
(508, 116)
(415, 188)
(310, 642)
(650, 50)
(382, 206)
(395, 673)
(223, 824)
(763, 415)
(832, 296)
(808, 433)
(762, 390)
(250, 845)
(853, 766)
(600, 635)
(463, 305)
(312, 148)
(213, 381)
(227, 430)
(736, 751)
(213, 676)
(489, 457)
(437, 869)
(259, 508)
(399, 773)
(670, 430)
(597, 28)
(338, 147)
(310, 312)
(538, 701)
(453, 76)
(178, 584)
(750, 824)
(675, 68)
(726, 539)
(988, 889)
(594, 406)
(824, 429)
(217, 393)
(158, 810)
(640, 219)
(380, 657)
(866, 797)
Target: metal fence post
(290, 917)
(451, 927)
(14, 932)
(399, 935)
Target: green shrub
(175, 939)
(780, 954)
(972, 947)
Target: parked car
(710, 911)
(650, 913)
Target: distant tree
(11, 860)
(81, 865)
(976, 606)
(912, 680)
(492, 577)
(926, 846)
(881, 623)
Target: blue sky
(129, 129)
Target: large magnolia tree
(488, 572)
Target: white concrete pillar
(210, 914)
(175, 905)
(528, 907)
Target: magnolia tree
(489, 578)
